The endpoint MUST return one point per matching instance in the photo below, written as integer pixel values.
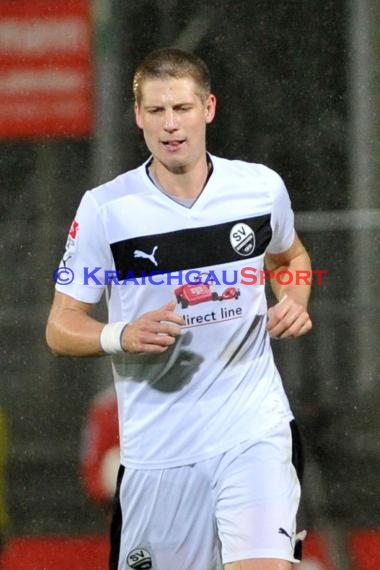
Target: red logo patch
(74, 229)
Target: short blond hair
(172, 62)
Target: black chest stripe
(188, 248)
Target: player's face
(173, 116)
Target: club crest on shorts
(242, 239)
(139, 559)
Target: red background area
(365, 549)
(45, 110)
(57, 553)
(91, 552)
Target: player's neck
(188, 183)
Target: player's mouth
(174, 144)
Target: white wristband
(110, 337)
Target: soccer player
(207, 436)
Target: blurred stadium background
(298, 87)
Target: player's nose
(170, 121)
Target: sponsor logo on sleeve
(72, 238)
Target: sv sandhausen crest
(139, 559)
(242, 238)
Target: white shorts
(241, 504)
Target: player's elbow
(52, 340)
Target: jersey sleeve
(87, 257)
(282, 219)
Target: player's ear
(138, 115)
(210, 108)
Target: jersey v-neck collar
(185, 203)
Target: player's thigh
(167, 520)
(258, 497)
(260, 564)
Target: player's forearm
(299, 286)
(71, 333)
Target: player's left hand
(288, 319)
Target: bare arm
(289, 317)
(72, 331)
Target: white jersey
(218, 385)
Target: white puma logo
(139, 253)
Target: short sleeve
(87, 255)
(282, 219)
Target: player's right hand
(154, 331)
